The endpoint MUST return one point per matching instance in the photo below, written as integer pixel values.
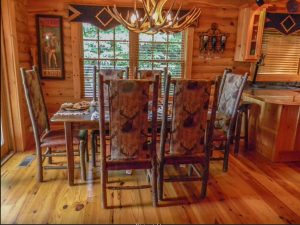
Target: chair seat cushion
(55, 138)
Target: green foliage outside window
(110, 50)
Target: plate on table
(76, 106)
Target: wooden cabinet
(274, 124)
(249, 34)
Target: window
(162, 50)
(282, 53)
(110, 50)
(105, 49)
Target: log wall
(226, 14)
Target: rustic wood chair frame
(49, 153)
(148, 164)
(230, 134)
(95, 133)
(182, 159)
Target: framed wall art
(50, 46)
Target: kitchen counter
(274, 123)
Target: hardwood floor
(252, 191)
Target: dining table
(83, 120)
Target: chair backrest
(189, 115)
(35, 102)
(112, 74)
(231, 89)
(150, 75)
(108, 74)
(129, 118)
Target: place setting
(78, 108)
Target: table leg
(70, 152)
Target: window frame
(114, 59)
(166, 61)
(78, 56)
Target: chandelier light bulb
(155, 16)
(169, 17)
(133, 18)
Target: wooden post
(12, 72)
(188, 52)
(76, 55)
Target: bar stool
(243, 110)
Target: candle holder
(213, 40)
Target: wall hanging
(283, 22)
(50, 46)
(102, 17)
(213, 41)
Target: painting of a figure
(50, 45)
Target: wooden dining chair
(130, 116)
(230, 93)
(190, 133)
(149, 75)
(46, 138)
(108, 74)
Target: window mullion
(114, 47)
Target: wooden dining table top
(87, 116)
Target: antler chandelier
(154, 18)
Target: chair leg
(233, 130)
(103, 184)
(49, 150)
(204, 183)
(39, 164)
(226, 155)
(87, 159)
(82, 148)
(246, 129)
(154, 184)
(238, 133)
(94, 146)
(161, 182)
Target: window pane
(175, 69)
(90, 49)
(88, 76)
(122, 64)
(145, 51)
(145, 37)
(159, 51)
(159, 65)
(106, 34)
(145, 65)
(175, 52)
(121, 33)
(106, 64)
(160, 37)
(122, 50)
(176, 37)
(89, 31)
(106, 49)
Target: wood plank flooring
(252, 191)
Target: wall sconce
(213, 40)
